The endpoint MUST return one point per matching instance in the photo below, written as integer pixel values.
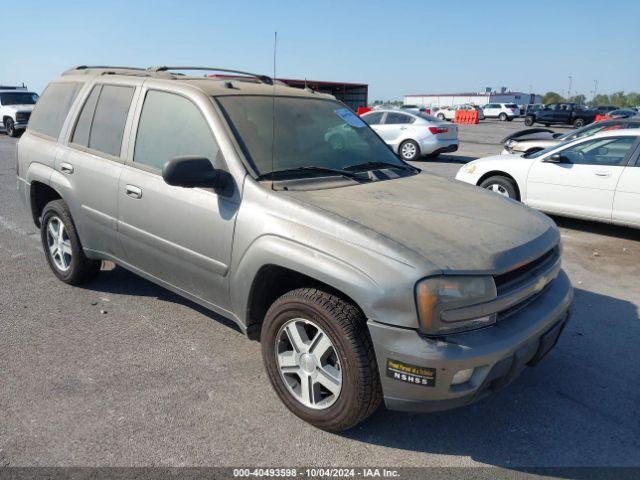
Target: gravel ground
(157, 380)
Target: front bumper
(498, 354)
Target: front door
(584, 180)
(626, 202)
(393, 127)
(181, 236)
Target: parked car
(561, 113)
(623, 113)
(449, 113)
(534, 139)
(595, 177)
(416, 109)
(502, 111)
(359, 275)
(16, 104)
(412, 135)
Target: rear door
(181, 236)
(93, 162)
(394, 126)
(626, 202)
(583, 184)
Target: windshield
(308, 133)
(539, 153)
(18, 98)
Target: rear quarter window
(52, 108)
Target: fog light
(462, 376)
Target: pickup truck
(561, 113)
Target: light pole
(569, 91)
(595, 89)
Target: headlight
(469, 167)
(438, 294)
(510, 143)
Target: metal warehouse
(353, 94)
(449, 99)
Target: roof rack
(13, 87)
(263, 78)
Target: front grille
(23, 116)
(518, 276)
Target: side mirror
(555, 158)
(190, 172)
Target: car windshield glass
(308, 133)
(18, 98)
(540, 153)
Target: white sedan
(594, 177)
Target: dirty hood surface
(455, 226)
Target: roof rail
(263, 78)
(86, 67)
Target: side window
(602, 151)
(83, 125)
(373, 118)
(109, 118)
(171, 126)
(52, 108)
(397, 118)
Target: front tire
(409, 150)
(501, 185)
(440, 117)
(62, 246)
(320, 360)
(10, 128)
(529, 120)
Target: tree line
(619, 99)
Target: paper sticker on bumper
(413, 374)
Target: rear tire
(319, 321)
(62, 247)
(502, 186)
(503, 117)
(10, 128)
(578, 123)
(529, 120)
(409, 150)
(440, 117)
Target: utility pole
(595, 88)
(569, 91)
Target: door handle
(403, 128)
(133, 191)
(603, 174)
(66, 168)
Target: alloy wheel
(308, 363)
(499, 189)
(59, 244)
(408, 150)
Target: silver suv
(280, 209)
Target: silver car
(358, 274)
(412, 135)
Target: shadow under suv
(357, 272)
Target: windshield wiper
(374, 165)
(308, 168)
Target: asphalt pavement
(122, 372)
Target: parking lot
(122, 372)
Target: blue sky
(397, 47)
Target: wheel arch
(500, 173)
(39, 195)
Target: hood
(454, 226)
(530, 134)
(20, 108)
